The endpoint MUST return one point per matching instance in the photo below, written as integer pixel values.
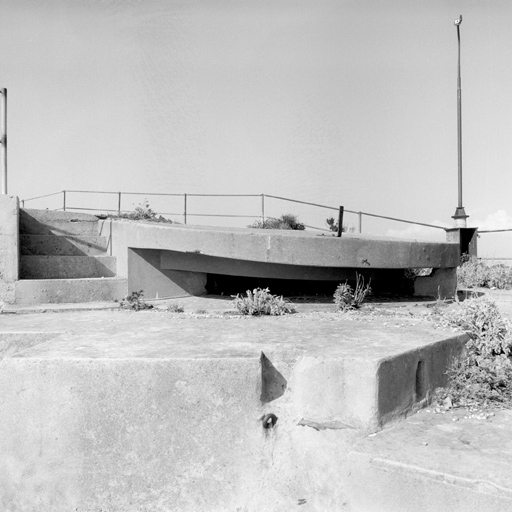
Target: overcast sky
(337, 102)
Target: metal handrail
(186, 213)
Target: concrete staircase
(64, 258)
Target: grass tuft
(346, 298)
(135, 302)
(261, 302)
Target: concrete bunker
(173, 261)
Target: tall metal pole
(3, 140)
(460, 215)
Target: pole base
(460, 217)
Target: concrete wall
(145, 272)
(9, 246)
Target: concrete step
(47, 222)
(53, 245)
(434, 462)
(66, 267)
(57, 291)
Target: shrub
(261, 302)
(345, 297)
(484, 376)
(499, 276)
(135, 302)
(472, 273)
(175, 308)
(287, 221)
(333, 226)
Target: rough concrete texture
(9, 265)
(118, 410)
(432, 463)
(53, 291)
(67, 267)
(44, 245)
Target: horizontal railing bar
(304, 202)
(124, 193)
(222, 215)
(319, 229)
(493, 259)
(494, 231)
(158, 194)
(223, 195)
(46, 195)
(401, 220)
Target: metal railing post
(64, 200)
(119, 203)
(340, 221)
(184, 208)
(360, 214)
(263, 208)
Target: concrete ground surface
(65, 448)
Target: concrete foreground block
(149, 412)
(129, 435)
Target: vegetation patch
(135, 302)
(142, 212)
(261, 302)
(472, 273)
(175, 308)
(287, 221)
(346, 298)
(483, 379)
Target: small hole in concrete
(420, 380)
(269, 420)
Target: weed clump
(346, 298)
(287, 221)
(483, 378)
(142, 212)
(261, 302)
(175, 308)
(135, 302)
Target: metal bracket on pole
(3, 140)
